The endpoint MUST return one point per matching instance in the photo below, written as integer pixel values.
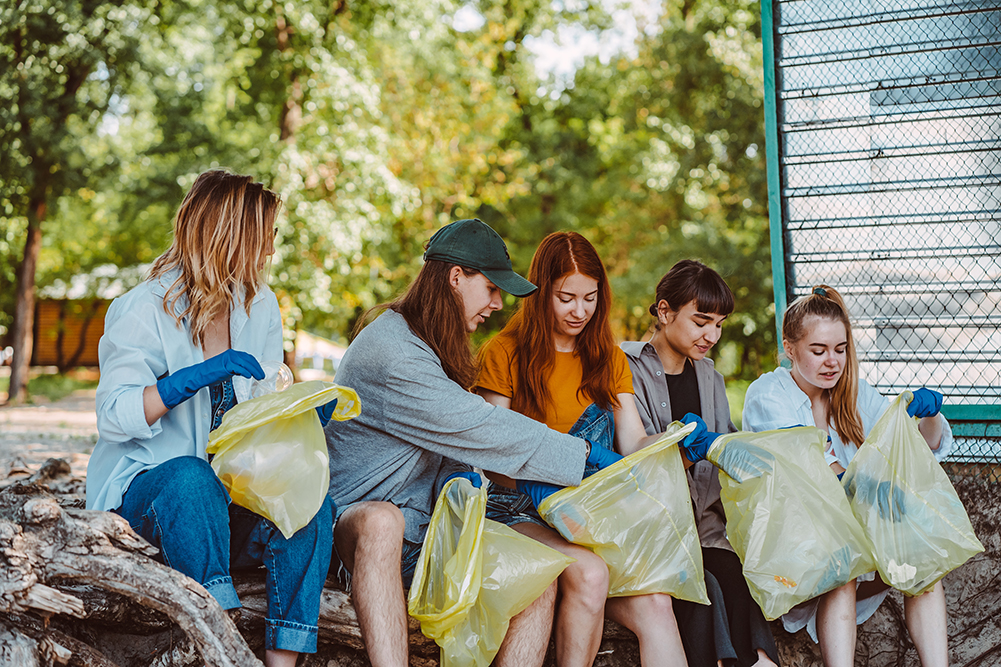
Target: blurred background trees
(380, 121)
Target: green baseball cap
(473, 244)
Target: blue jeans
(512, 507)
(182, 509)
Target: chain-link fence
(885, 125)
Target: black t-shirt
(683, 389)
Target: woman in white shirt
(168, 356)
(823, 388)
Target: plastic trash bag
(473, 575)
(637, 515)
(271, 456)
(791, 525)
(919, 529)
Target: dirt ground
(31, 435)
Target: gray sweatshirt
(417, 427)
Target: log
(42, 544)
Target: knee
(587, 581)
(191, 482)
(656, 605)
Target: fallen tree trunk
(43, 545)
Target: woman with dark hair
(824, 388)
(556, 361)
(168, 356)
(421, 425)
(673, 377)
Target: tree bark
(24, 308)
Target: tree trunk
(24, 308)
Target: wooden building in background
(67, 332)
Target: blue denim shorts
(511, 507)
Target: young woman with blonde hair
(823, 387)
(556, 361)
(168, 355)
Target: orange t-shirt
(498, 373)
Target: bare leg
(582, 589)
(763, 660)
(836, 626)
(926, 622)
(369, 540)
(280, 658)
(527, 637)
(651, 618)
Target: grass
(49, 387)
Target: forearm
(931, 429)
(153, 407)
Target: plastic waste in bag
(919, 529)
(473, 575)
(637, 515)
(270, 453)
(788, 520)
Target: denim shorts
(511, 507)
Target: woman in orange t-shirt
(557, 362)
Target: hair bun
(653, 310)
(821, 291)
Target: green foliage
(379, 122)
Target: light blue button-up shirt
(141, 343)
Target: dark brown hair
(691, 280)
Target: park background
(638, 124)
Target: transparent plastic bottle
(277, 377)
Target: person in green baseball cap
(421, 426)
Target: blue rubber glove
(742, 460)
(696, 444)
(926, 403)
(886, 496)
(599, 458)
(325, 412)
(178, 387)
(473, 477)
(537, 491)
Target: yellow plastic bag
(473, 575)
(637, 515)
(919, 529)
(271, 456)
(791, 525)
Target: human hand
(742, 460)
(473, 477)
(181, 385)
(326, 411)
(599, 458)
(537, 491)
(926, 403)
(696, 444)
(886, 496)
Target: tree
(64, 67)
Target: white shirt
(141, 343)
(774, 401)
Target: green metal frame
(968, 420)
(773, 171)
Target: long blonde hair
(222, 236)
(824, 301)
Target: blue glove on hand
(325, 412)
(926, 403)
(537, 491)
(886, 496)
(178, 387)
(599, 458)
(742, 460)
(473, 477)
(696, 444)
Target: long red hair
(533, 327)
